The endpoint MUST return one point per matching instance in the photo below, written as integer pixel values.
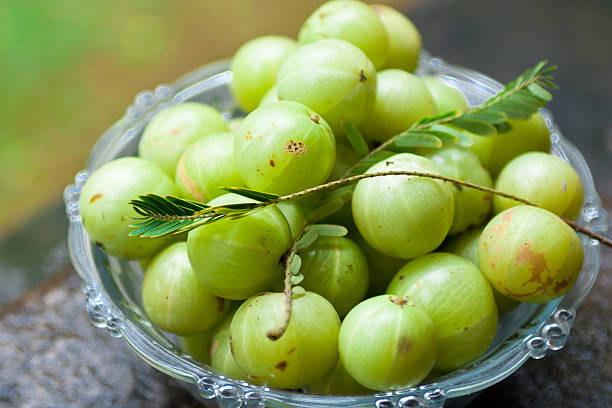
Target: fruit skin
(295, 214)
(497, 150)
(255, 66)
(221, 354)
(198, 346)
(542, 179)
(338, 382)
(207, 165)
(351, 21)
(105, 210)
(332, 77)
(172, 130)
(402, 99)
(530, 254)
(403, 216)
(335, 268)
(405, 41)
(472, 206)
(458, 299)
(174, 299)
(466, 246)
(446, 98)
(234, 123)
(270, 96)
(387, 343)
(305, 353)
(235, 259)
(284, 147)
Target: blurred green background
(70, 68)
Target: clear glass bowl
(112, 286)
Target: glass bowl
(112, 286)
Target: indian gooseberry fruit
(403, 216)
(234, 123)
(405, 41)
(332, 77)
(446, 97)
(207, 165)
(466, 246)
(305, 353)
(198, 345)
(221, 357)
(402, 99)
(174, 299)
(270, 96)
(236, 258)
(472, 206)
(284, 147)
(530, 254)
(335, 268)
(105, 210)
(388, 343)
(497, 150)
(458, 299)
(255, 66)
(338, 382)
(174, 129)
(542, 179)
(351, 21)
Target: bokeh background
(70, 68)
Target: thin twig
(276, 333)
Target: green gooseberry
(221, 352)
(332, 77)
(466, 246)
(458, 299)
(173, 297)
(236, 258)
(497, 150)
(446, 97)
(235, 123)
(207, 165)
(404, 39)
(270, 96)
(403, 216)
(338, 382)
(529, 254)
(542, 179)
(472, 206)
(174, 129)
(255, 66)
(388, 343)
(198, 345)
(294, 213)
(105, 210)
(351, 21)
(335, 268)
(402, 99)
(284, 147)
(305, 353)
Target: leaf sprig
(520, 99)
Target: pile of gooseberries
(416, 287)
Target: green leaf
(415, 138)
(462, 138)
(328, 230)
(503, 127)
(295, 265)
(355, 138)
(296, 279)
(492, 117)
(252, 194)
(478, 127)
(436, 118)
(298, 291)
(307, 239)
(327, 208)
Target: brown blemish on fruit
(401, 277)
(295, 148)
(403, 345)
(315, 118)
(190, 184)
(220, 303)
(398, 300)
(231, 345)
(281, 365)
(175, 132)
(272, 164)
(559, 286)
(291, 351)
(486, 197)
(537, 260)
(101, 245)
(95, 197)
(214, 346)
(273, 124)
(362, 77)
